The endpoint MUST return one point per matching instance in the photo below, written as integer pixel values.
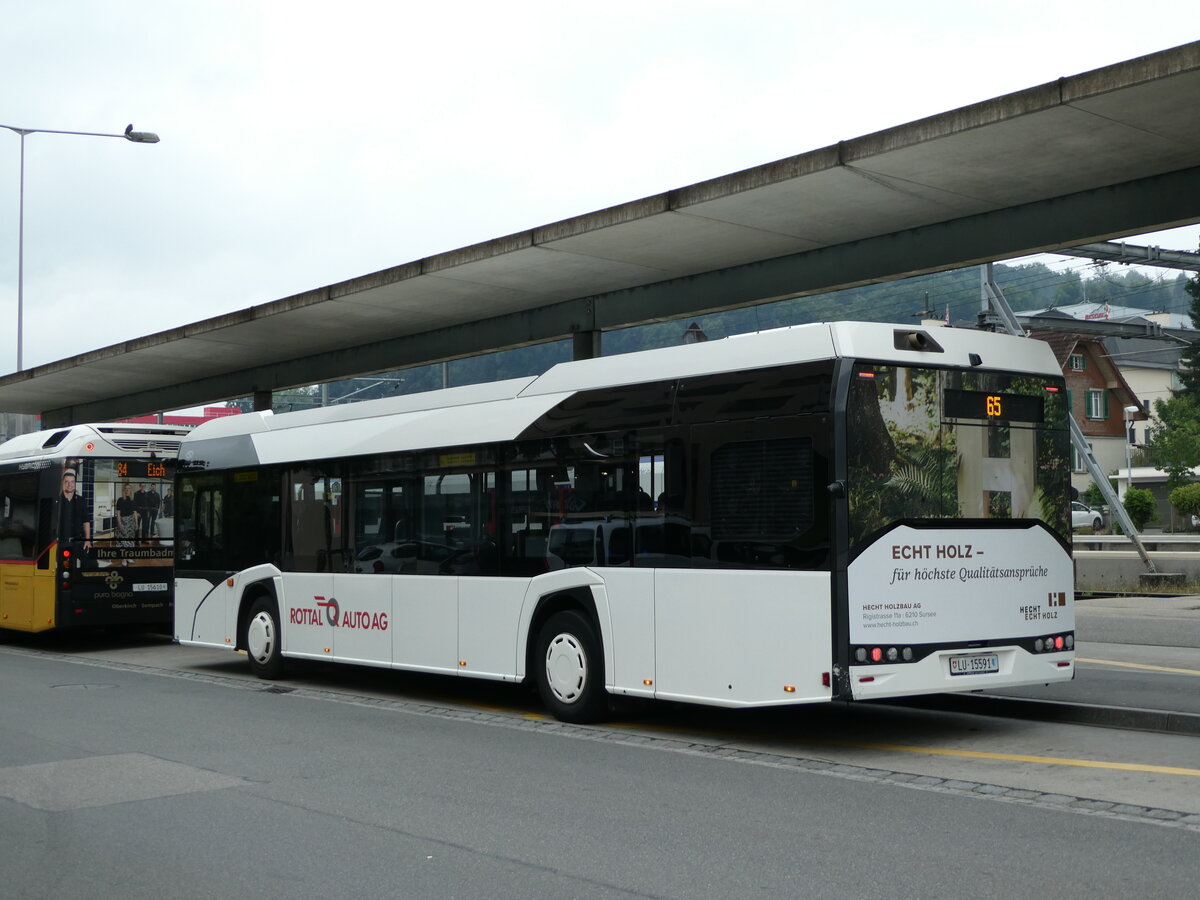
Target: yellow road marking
(905, 748)
(1020, 757)
(1129, 665)
(966, 754)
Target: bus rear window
(943, 444)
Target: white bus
(86, 516)
(831, 511)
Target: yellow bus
(87, 527)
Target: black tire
(569, 668)
(1097, 524)
(262, 639)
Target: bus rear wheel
(262, 639)
(569, 668)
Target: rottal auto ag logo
(335, 618)
(331, 609)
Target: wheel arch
(579, 598)
(252, 592)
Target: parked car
(402, 558)
(1083, 516)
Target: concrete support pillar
(587, 345)
(262, 401)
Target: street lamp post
(137, 137)
(1129, 410)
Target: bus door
(309, 610)
(18, 539)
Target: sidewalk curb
(1159, 720)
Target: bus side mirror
(836, 489)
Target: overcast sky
(307, 144)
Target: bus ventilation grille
(143, 445)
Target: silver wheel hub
(566, 668)
(261, 637)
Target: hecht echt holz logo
(329, 612)
(1059, 599)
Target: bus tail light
(883, 654)
(1054, 643)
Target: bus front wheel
(262, 639)
(570, 668)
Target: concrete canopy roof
(1107, 153)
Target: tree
(1140, 505)
(1189, 370)
(1174, 444)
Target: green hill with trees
(953, 294)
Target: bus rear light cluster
(882, 654)
(1054, 643)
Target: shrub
(1140, 506)
(1186, 500)
(1092, 496)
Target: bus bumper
(932, 675)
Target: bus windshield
(929, 443)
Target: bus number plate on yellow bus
(974, 664)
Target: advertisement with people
(115, 530)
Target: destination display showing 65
(993, 407)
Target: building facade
(1102, 401)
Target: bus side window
(198, 516)
(381, 521)
(253, 525)
(18, 526)
(312, 516)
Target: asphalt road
(120, 776)
(1143, 621)
(1133, 653)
